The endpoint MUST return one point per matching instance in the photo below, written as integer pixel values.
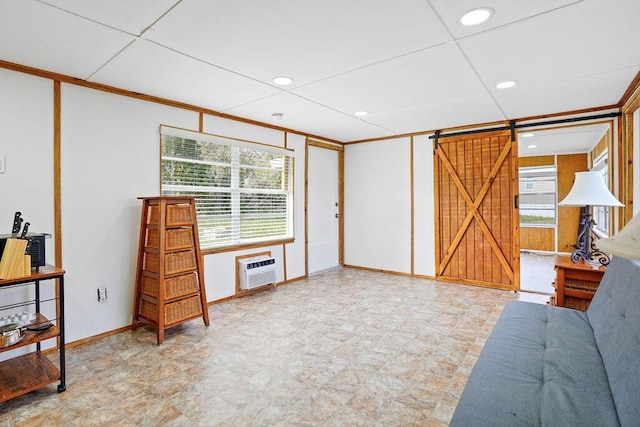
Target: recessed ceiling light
(476, 16)
(361, 113)
(532, 146)
(506, 84)
(527, 135)
(282, 80)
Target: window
(601, 213)
(537, 195)
(243, 190)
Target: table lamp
(589, 190)
(626, 243)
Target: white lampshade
(626, 243)
(589, 189)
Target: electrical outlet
(102, 294)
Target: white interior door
(323, 209)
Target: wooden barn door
(477, 229)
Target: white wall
(110, 156)
(377, 214)
(424, 213)
(26, 142)
(296, 251)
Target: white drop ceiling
(409, 63)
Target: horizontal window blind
(243, 191)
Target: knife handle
(25, 230)
(27, 249)
(17, 221)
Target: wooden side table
(576, 283)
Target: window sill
(234, 248)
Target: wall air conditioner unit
(257, 271)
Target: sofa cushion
(614, 315)
(540, 366)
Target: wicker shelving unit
(169, 277)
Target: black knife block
(37, 251)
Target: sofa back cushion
(614, 315)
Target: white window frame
(528, 185)
(601, 213)
(233, 237)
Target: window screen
(538, 195)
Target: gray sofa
(553, 366)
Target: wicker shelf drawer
(175, 239)
(174, 263)
(175, 287)
(179, 262)
(175, 312)
(175, 215)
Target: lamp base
(585, 246)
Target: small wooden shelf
(34, 337)
(44, 273)
(26, 373)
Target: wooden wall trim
(306, 208)
(633, 91)
(150, 98)
(413, 214)
(341, 207)
(57, 192)
(320, 144)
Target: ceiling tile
(306, 40)
(428, 77)
(126, 15)
(41, 36)
(505, 12)
(303, 115)
(154, 70)
(445, 114)
(586, 39)
(598, 90)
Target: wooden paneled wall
(568, 217)
(538, 238)
(528, 162)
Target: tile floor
(344, 348)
